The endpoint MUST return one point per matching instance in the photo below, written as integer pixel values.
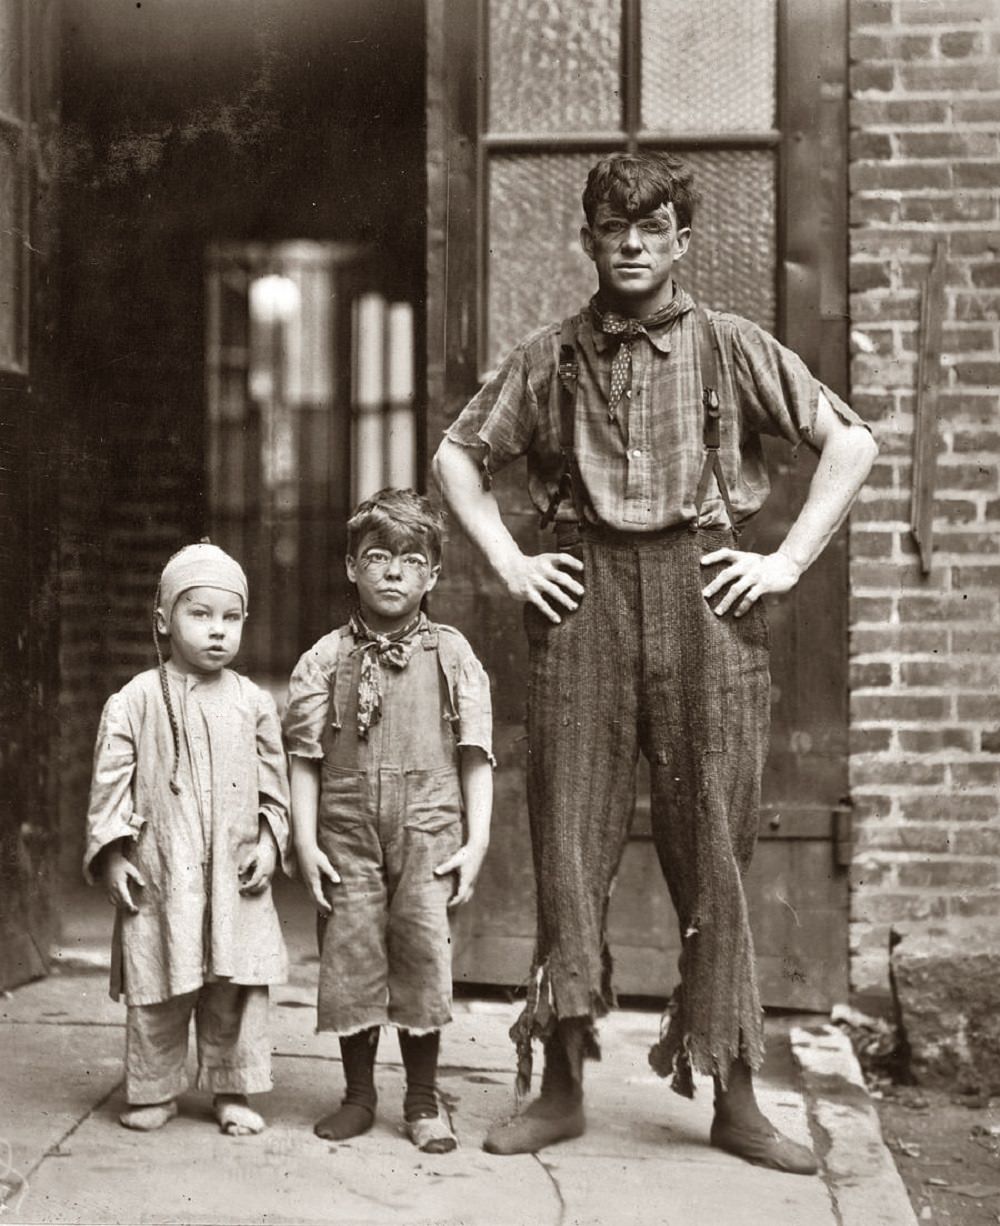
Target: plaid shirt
(641, 464)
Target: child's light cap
(200, 566)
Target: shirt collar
(659, 338)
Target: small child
(188, 816)
(389, 729)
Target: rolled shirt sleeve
(308, 706)
(475, 709)
(110, 815)
(501, 419)
(777, 392)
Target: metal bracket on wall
(843, 834)
(925, 434)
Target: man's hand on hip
(545, 581)
(748, 577)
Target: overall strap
(711, 428)
(570, 487)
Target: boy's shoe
(432, 1134)
(542, 1123)
(764, 1147)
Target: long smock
(193, 925)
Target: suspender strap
(711, 431)
(570, 487)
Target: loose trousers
(645, 664)
(234, 1048)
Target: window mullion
(631, 58)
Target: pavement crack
(58, 1144)
(554, 1181)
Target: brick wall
(925, 672)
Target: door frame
(810, 143)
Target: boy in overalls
(641, 418)
(389, 728)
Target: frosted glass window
(538, 273)
(554, 65)
(731, 260)
(708, 67)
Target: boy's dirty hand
(314, 866)
(118, 871)
(466, 862)
(259, 867)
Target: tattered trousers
(645, 663)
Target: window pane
(11, 41)
(708, 67)
(537, 273)
(730, 264)
(554, 65)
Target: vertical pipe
(400, 423)
(368, 376)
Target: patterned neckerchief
(626, 329)
(377, 649)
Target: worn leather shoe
(540, 1124)
(763, 1147)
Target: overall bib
(390, 811)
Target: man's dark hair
(638, 183)
(399, 520)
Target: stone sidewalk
(645, 1157)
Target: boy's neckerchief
(626, 329)
(393, 649)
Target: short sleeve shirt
(641, 463)
(308, 713)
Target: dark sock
(562, 1071)
(356, 1113)
(420, 1059)
(738, 1102)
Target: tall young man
(646, 630)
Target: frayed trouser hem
(235, 1080)
(680, 1055)
(140, 1093)
(348, 1032)
(540, 1018)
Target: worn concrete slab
(859, 1170)
(677, 1192)
(53, 1076)
(189, 1172)
(644, 1159)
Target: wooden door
(522, 99)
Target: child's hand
(117, 872)
(466, 862)
(258, 868)
(314, 866)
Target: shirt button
(628, 394)
(636, 452)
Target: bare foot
(149, 1117)
(236, 1117)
